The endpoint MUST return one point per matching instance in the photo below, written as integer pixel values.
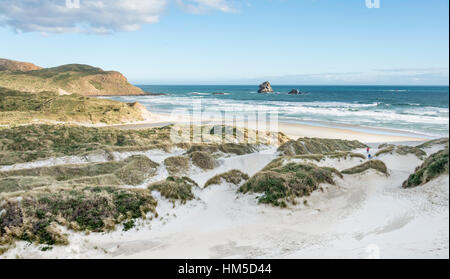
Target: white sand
(366, 215)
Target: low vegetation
(401, 150)
(313, 157)
(32, 142)
(304, 146)
(434, 166)
(227, 148)
(177, 164)
(372, 164)
(37, 215)
(175, 188)
(24, 107)
(203, 160)
(235, 177)
(431, 143)
(73, 78)
(281, 185)
(131, 171)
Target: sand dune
(366, 215)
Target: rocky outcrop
(265, 87)
(11, 65)
(74, 78)
(294, 92)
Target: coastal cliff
(67, 79)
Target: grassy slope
(23, 107)
(74, 78)
(432, 167)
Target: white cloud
(100, 16)
(97, 16)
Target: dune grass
(23, 107)
(372, 164)
(401, 150)
(175, 188)
(431, 143)
(32, 142)
(434, 166)
(176, 164)
(304, 146)
(203, 160)
(36, 217)
(281, 185)
(131, 171)
(233, 177)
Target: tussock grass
(227, 148)
(434, 166)
(431, 143)
(32, 142)
(175, 188)
(23, 107)
(203, 160)
(401, 150)
(304, 146)
(234, 177)
(177, 164)
(281, 185)
(372, 164)
(131, 171)
(38, 214)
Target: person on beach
(368, 150)
(369, 156)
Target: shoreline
(292, 130)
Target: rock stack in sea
(265, 87)
(295, 92)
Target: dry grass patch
(203, 160)
(177, 164)
(401, 150)
(36, 215)
(434, 166)
(372, 164)
(281, 185)
(234, 177)
(431, 143)
(133, 170)
(318, 146)
(175, 188)
(32, 142)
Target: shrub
(177, 164)
(318, 146)
(281, 185)
(432, 167)
(203, 160)
(372, 164)
(37, 216)
(233, 177)
(175, 188)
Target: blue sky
(236, 42)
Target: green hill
(67, 79)
(17, 107)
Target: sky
(321, 42)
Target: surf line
(195, 269)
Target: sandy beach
(292, 130)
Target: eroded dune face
(337, 204)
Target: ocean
(400, 110)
